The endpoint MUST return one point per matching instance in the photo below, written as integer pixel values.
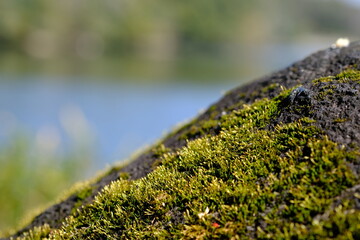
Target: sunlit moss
(248, 181)
(38, 233)
(349, 75)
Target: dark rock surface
(343, 104)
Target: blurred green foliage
(165, 31)
(30, 180)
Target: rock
(280, 163)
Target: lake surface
(118, 118)
(114, 117)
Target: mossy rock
(275, 159)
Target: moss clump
(341, 120)
(342, 220)
(245, 182)
(158, 152)
(328, 85)
(81, 196)
(212, 125)
(201, 128)
(255, 178)
(350, 75)
(37, 233)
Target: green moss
(270, 88)
(343, 77)
(199, 129)
(38, 233)
(265, 90)
(323, 80)
(81, 195)
(348, 75)
(205, 127)
(159, 151)
(325, 92)
(341, 120)
(245, 182)
(124, 175)
(342, 220)
(212, 109)
(328, 85)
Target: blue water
(122, 117)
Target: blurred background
(83, 84)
